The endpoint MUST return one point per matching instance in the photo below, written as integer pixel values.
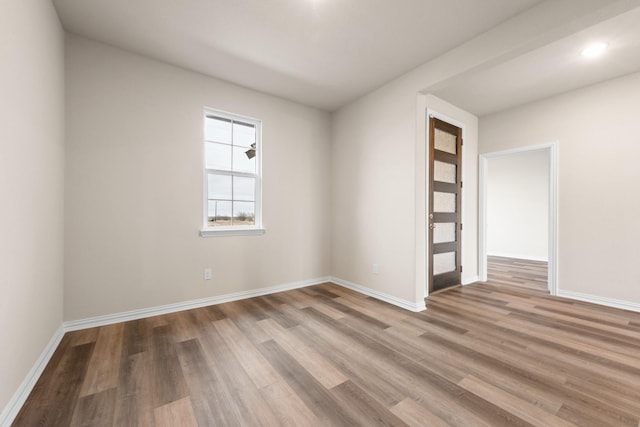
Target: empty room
(320, 213)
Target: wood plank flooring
(520, 273)
(487, 354)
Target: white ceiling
(552, 69)
(323, 53)
(327, 53)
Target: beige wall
(31, 188)
(134, 186)
(518, 205)
(597, 131)
(379, 157)
(373, 194)
(379, 204)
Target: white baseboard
(470, 280)
(624, 305)
(109, 319)
(398, 302)
(9, 413)
(519, 256)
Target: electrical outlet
(375, 269)
(207, 274)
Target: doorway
(507, 230)
(445, 205)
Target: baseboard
(624, 305)
(9, 413)
(470, 280)
(398, 302)
(518, 256)
(109, 319)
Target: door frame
(552, 150)
(427, 255)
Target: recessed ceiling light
(594, 50)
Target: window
(232, 174)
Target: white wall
(134, 185)
(518, 205)
(31, 188)
(599, 150)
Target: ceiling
(323, 53)
(327, 53)
(551, 69)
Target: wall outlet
(207, 274)
(375, 269)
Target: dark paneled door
(444, 219)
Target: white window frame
(240, 230)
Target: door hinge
(460, 226)
(461, 142)
(460, 269)
(460, 184)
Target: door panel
(445, 188)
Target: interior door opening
(509, 235)
(517, 220)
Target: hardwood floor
(487, 354)
(520, 273)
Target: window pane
(244, 213)
(218, 156)
(444, 263)
(231, 169)
(243, 134)
(219, 187)
(444, 172)
(218, 130)
(219, 213)
(444, 202)
(242, 162)
(244, 189)
(445, 141)
(444, 232)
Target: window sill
(236, 231)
